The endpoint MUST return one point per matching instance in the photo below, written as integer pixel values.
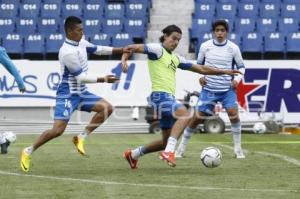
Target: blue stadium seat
(206, 1)
(266, 25)
(269, 10)
(145, 2)
(135, 27)
(271, 1)
(9, 9)
(243, 25)
(101, 39)
(30, 8)
(252, 42)
(290, 1)
(274, 42)
(226, 10)
(54, 42)
(51, 8)
(111, 26)
(204, 10)
(26, 26)
(250, 1)
(235, 38)
(136, 10)
(7, 26)
(93, 9)
(293, 42)
(202, 37)
(248, 10)
(34, 44)
(286, 25)
(229, 1)
(13, 43)
(92, 26)
(200, 26)
(47, 26)
(290, 10)
(121, 39)
(115, 10)
(72, 8)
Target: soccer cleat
(78, 142)
(25, 161)
(239, 154)
(179, 153)
(132, 162)
(4, 147)
(169, 157)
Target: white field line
(162, 186)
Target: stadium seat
(9, 9)
(227, 10)
(26, 26)
(145, 2)
(101, 39)
(136, 10)
(34, 44)
(136, 28)
(206, 1)
(7, 26)
(266, 25)
(111, 26)
(229, 1)
(121, 39)
(248, 10)
(115, 10)
(250, 1)
(204, 10)
(47, 26)
(290, 1)
(51, 8)
(202, 37)
(200, 26)
(92, 26)
(269, 10)
(235, 38)
(274, 42)
(72, 8)
(293, 42)
(243, 25)
(271, 1)
(30, 8)
(252, 45)
(287, 25)
(13, 43)
(93, 9)
(290, 10)
(54, 42)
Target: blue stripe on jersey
(77, 72)
(151, 56)
(239, 67)
(185, 66)
(91, 49)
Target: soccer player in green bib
(173, 116)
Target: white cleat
(179, 153)
(239, 154)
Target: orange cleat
(132, 162)
(169, 157)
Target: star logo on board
(243, 90)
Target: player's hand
(111, 79)
(128, 50)
(124, 66)
(202, 81)
(233, 72)
(22, 90)
(234, 84)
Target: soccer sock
(236, 134)
(83, 135)
(187, 134)
(171, 144)
(138, 152)
(29, 150)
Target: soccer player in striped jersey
(162, 64)
(72, 93)
(224, 54)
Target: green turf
(58, 171)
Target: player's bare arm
(128, 51)
(207, 70)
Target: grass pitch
(271, 169)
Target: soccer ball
(10, 136)
(259, 127)
(211, 157)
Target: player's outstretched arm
(207, 70)
(88, 79)
(134, 48)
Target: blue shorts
(164, 105)
(67, 104)
(208, 100)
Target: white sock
(83, 135)
(187, 134)
(2, 139)
(171, 144)
(138, 152)
(236, 134)
(29, 150)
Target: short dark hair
(220, 22)
(71, 21)
(169, 30)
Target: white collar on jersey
(215, 42)
(71, 42)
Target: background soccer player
(163, 63)
(72, 93)
(219, 53)
(11, 68)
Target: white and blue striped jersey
(73, 61)
(226, 55)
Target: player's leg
(231, 106)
